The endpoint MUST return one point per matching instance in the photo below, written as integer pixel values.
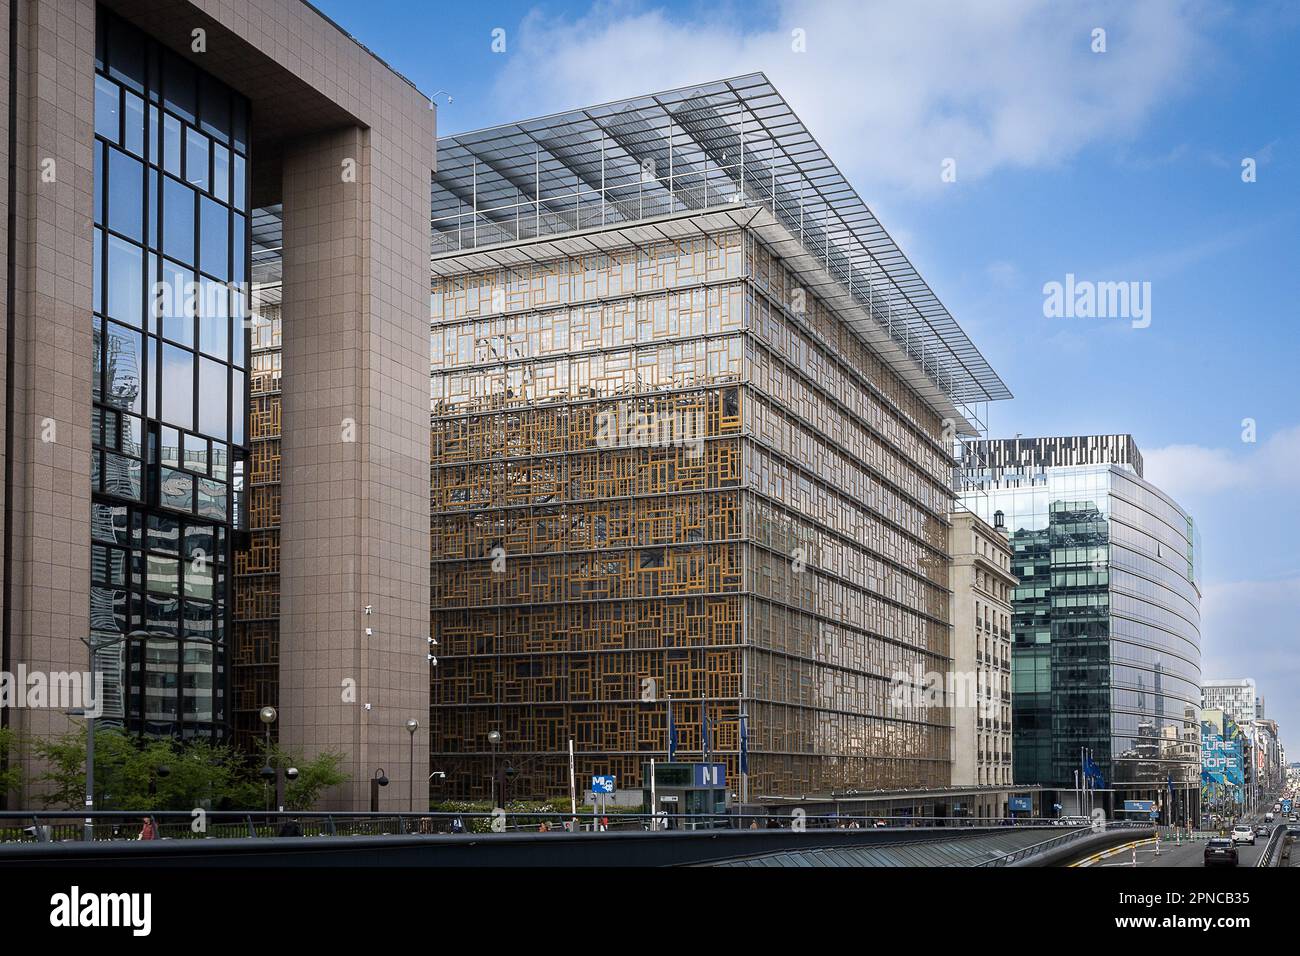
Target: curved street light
(412, 725)
(380, 779)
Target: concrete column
(355, 458)
(50, 395)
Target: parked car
(1220, 851)
(1243, 833)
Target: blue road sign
(603, 783)
(710, 775)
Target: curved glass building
(1106, 660)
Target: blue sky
(1116, 166)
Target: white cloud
(1003, 274)
(891, 89)
(1186, 470)
(1250, 630)
(1177, 469)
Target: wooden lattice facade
(654, 475)
(255, 671)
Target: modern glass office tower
(1106, 630)
(689, 412)
(171, 260)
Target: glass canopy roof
(733, 146)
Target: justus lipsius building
(140, 137)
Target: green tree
(315, 776)
(145, 774)
(209, 775)
(133, 773)
(11, 772)
(63, 781)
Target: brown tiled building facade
(112, 468)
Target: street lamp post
(380, 779)
(90, 713)
(494, 738)
(412, 726)
(267, 716)
(88, 826)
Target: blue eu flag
(672, 732)
(744, 746)
(706, 745)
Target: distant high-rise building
(1238, 698)
(1106, 623)
(1235, 696)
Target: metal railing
(1278, 847)
(1075, 833)
(59, 826)
(1034, 848)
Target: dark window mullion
(195, 360)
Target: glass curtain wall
(1106, 626)
(170, 300)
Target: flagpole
(704, 730)
(654, 804)
(670, 729)
(1083, 792)
(744, 761)
(1092, 790)
(1091, 782)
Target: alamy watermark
(956, 689)
(76, 909)
(183, 297)
(636, 429)
(65, 690)
(1085, 299)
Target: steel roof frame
(703, 147)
